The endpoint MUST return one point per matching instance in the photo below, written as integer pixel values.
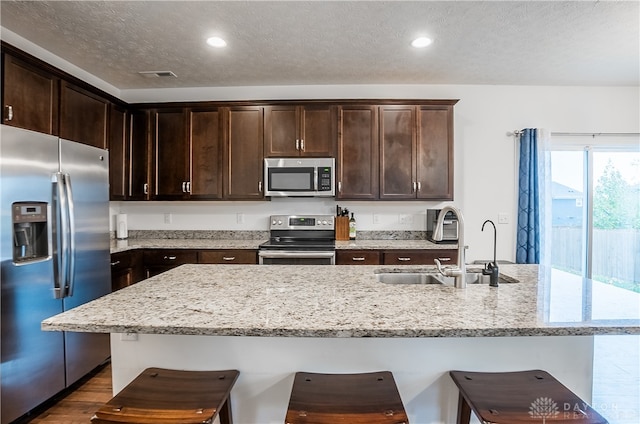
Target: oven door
(296, 257)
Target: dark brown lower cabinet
(157, 261)
(358, 257)
(234, 256)
(126, 269)
(419, 257)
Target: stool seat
(366, 398)
(162, 396)
(519, 397)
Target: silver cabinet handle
(228, 258)
(115, 263)
(419, 186)
(9, 115)
(171, 258)
(184, 185)
(188, 186)
(302, 144)
(444, 259)
(260, 186)
(357, 259)
(404, 259)
(339, 186)
(145, 188)
(297, 144)
(414, 187)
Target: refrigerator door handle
(71, 236)
(60, 230)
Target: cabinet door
(397, 152)
(435, 152)
(419, 257)
(29, 97)
(281, 134)
(357, 173)
(118, 140)
(171, 155)
(139, 157)
(318, 131)
(243, 153)
(236, 256)
(83, 116)
(206, 154)
(357, 257)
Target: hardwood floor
(77, 405)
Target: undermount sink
(400, 276)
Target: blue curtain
(529, 231)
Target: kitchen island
(271, 321)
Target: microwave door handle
(315, 179)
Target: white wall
(485, 156)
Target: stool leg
(464, 411)
(225, 412)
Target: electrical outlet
(168, 218)
(129, 337)
(376, 218)
(240, 218)
(503, 218)
(405, 219)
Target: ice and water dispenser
(30, 232)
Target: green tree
(615, 202)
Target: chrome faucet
(460, 271)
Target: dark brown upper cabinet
(171, 154)
(139, 156)
(83, 116)
(29, 96)
(291, 131)
(357, 164)
(434, 164)
(416, 152)
(118, 153)
(205, 131)
(243, 152)
(398, 152)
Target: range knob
(324, 222)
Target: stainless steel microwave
(299, 177)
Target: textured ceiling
(331, 42)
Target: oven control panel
(301, 222)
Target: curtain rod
(571, 134)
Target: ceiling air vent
(157, 74)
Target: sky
(567, 166)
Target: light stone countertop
(132, 244)
(210, 243)
(348, 301)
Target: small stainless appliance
(299, 240)
(299, 177)
(449, 226)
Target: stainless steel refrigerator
(54, 249)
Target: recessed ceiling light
(421, 42)
(216, 42)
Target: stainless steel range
(299, 240)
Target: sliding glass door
(595, 209)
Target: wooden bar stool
(368, 398)
(519, 397)
(162, 396)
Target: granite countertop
(211, 243)
(348, 301)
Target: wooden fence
(616, 253)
